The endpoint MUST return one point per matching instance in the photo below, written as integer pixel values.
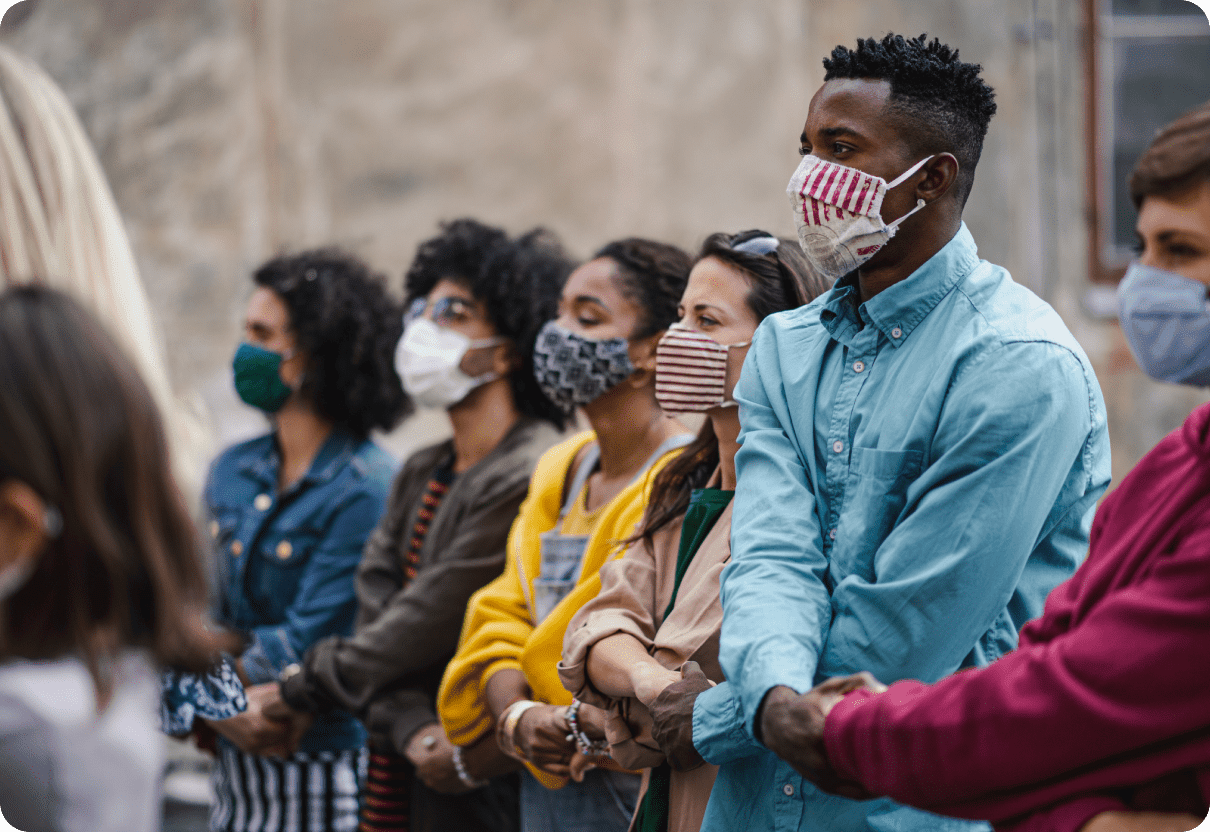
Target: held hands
(1140, 822)
(431, 752)
(268, 727)
(672, 716)
(792, 726)
(541, 735)
(649, 680)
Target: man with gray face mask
(477, 300)
(922, 447)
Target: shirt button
(284, 549)
(837, 446)
(262, 502)
(237, 548)
(788, 789)
(858, 366)
(896, 333)
(214, 528)
(832, 534)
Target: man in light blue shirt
(922, 447)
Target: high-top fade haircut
(941, 102)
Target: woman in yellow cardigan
(586, 494)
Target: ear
(22, 522)
(941, 172)
(505, 358)
(642, 356)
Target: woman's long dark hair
(779, 279)
(79, 427)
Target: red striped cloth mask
(691, 371)
(837, 212)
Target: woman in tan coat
(658, 608)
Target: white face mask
(16, 574)
(428, 358)
(837, 213)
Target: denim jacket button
(284, 549)
(262, 502)
(237, 548)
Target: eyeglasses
(444, 312)
(758, 246)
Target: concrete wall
(234, 129)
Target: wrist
(773, 698)
(463, 774)
(510, 718)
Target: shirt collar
(897, 310)
(333, 455)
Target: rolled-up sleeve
(777, 560)
(325, 602)
(1013, 427)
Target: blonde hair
(60, 226)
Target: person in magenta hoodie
(1100, 720)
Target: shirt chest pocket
(874, 500)
(279, 566)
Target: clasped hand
(541, 738)
(792, 724)
(268, 727)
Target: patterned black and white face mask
(573, 370)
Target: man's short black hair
(944, 104)
(518, 281)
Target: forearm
(485, 760)
(503, 688)
(613, 663)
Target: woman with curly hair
(477, 299)
(586, 494)
(289, 513)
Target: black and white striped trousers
(309, 792)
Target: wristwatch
(289, 671)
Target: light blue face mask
(1166, 320)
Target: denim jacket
(285, 561)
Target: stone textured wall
(235, 129)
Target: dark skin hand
(791, 726)
(848, 123)
(672, 715)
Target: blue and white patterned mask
(573, 370)
(1166, 320)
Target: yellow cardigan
(499, 631)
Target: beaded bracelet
(463, 774)
(588, 747)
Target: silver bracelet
(588, 747)
(463, 774)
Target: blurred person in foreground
(476, 300)
(1100, 720)
(658, 612)
(101, 575)
(921, 448)
(59, 225)
(587, 493)
(289, 514)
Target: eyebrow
(590, 299)
(832, 133)
(697, 307)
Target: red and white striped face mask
(691, 371)
(837, 211)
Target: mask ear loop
(920, 203)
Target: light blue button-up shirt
(916, 474)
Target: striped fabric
(833, 189)
(387, 799)
(690, 371)
(309, 792)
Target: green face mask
(258, 377)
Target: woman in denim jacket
(289, 513)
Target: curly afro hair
(518, 281)
(348, 326)
(654, 276)
(944, 105)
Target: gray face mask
(1166, 321)
(573, 370)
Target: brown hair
(79, 426)
(1177, 159)
(779, 279)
